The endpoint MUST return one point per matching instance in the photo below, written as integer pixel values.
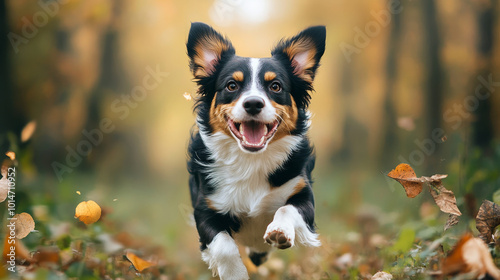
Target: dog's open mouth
(253, 135)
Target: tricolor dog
(250, 159)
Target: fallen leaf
(28, 131)
(403, 173)
(444, 198)
(138, 263)
(470, 255)
(452, 220)
(487, 219)
(88, 212)
(47, 257)
(24, 224)
(11, 155)
(382, 275)
(4, 184)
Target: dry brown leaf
(11, 155)
(28, 131)
(452, 220)
(445, 199)
(487, 219)
(88, 212)
(24, 224)
(47, 257)
(470, 255)
(138, 263)
(403, 173)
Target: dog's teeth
(241, 129)
(245, 139)
(262, 140)
(265, 130)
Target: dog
(250, 159)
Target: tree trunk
(482, 127)
(433, 87)
(391, 71)
(6, 118)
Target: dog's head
(254, 100)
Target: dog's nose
(253, 105)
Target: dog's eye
(276, 87)
(232, 86)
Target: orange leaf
(470, 255)
(402, 173)
(88, 212)
(11, 155)
(138, 263)
(28, 131)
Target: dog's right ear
(206, 48)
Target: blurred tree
(482, 125)
(393, 46)
(433, 88)
(7, 119)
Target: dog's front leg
(294, 221)
(223, 257)
(218, 248)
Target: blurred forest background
(400, 81)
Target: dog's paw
(279, 237)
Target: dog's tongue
(253, 132)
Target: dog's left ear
(303, 51)
(206, 48)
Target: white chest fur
(241, 178)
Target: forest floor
(94, 235)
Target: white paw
(280, 236)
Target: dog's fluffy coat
(250, 160)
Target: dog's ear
(206, 48)
(303, 51)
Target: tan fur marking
(238, 76)
(288, 116)
(209, 204)
(269, 76)
(300, 46)
(218, 121)
(300, 185)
